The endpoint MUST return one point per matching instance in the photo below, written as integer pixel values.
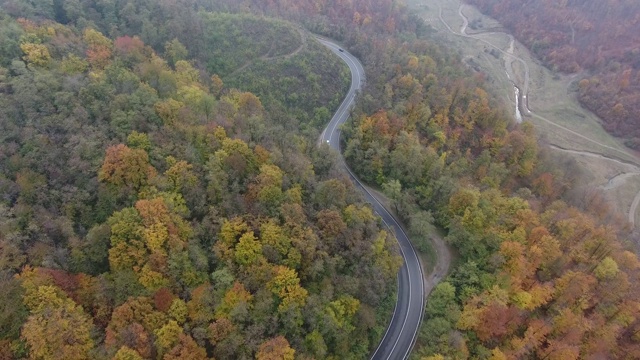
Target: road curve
(407, 315)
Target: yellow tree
(273, 236)
(275, 349)
(57, 328)
(36, 54)
(168, 336)
(126, 167)
(99, 48)
(145, 238)
(248, 251)
(127, 353)
(235, 296)
(286, 285)
(230, 233)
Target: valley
(549, 100)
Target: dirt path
(525, 85)
(303, 45)
(266, 57)
(613, 182)
(575, 133)
(617, 180)
(443, 263)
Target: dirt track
(632, 169)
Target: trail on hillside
(267, 57)
(634, 167)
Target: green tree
(174, 51)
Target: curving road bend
(407, 316)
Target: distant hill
(600, 37)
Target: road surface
(407, 316)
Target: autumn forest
(162, 194)
(596, 39)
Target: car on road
(340, 49)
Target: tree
(275, 349)
(393, 189)
(235, 296)
(36, 54)
(330, 224)
(132, 324)
(442, 303)
(216, 85)
(180, 174)
(178, 311)
(127, 247)
(286, 285)
(607, 269)
(220, 329)
(137, 140)
(186, 349)
(126, 167)
(57, 328)
(341, 311)
(248, 251)
(126, 353)
(13, 312)
(167, 336)
(272, 236)
(99, 48)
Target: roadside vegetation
(151, 211)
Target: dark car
(341, 50)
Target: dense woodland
(150, 210)
(600, 37)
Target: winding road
(407, 316)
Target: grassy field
(556, 113)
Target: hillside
(294, 76)
(544, 269)
(148, 209)
(597, 39)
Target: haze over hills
(598, 39)
(162, 194)
(149, 210)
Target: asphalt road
(407, 316)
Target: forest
(150, 210)
(597, 39)
(151, 207)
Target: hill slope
(149, 210)
(599, 37)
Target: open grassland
(552, 98)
